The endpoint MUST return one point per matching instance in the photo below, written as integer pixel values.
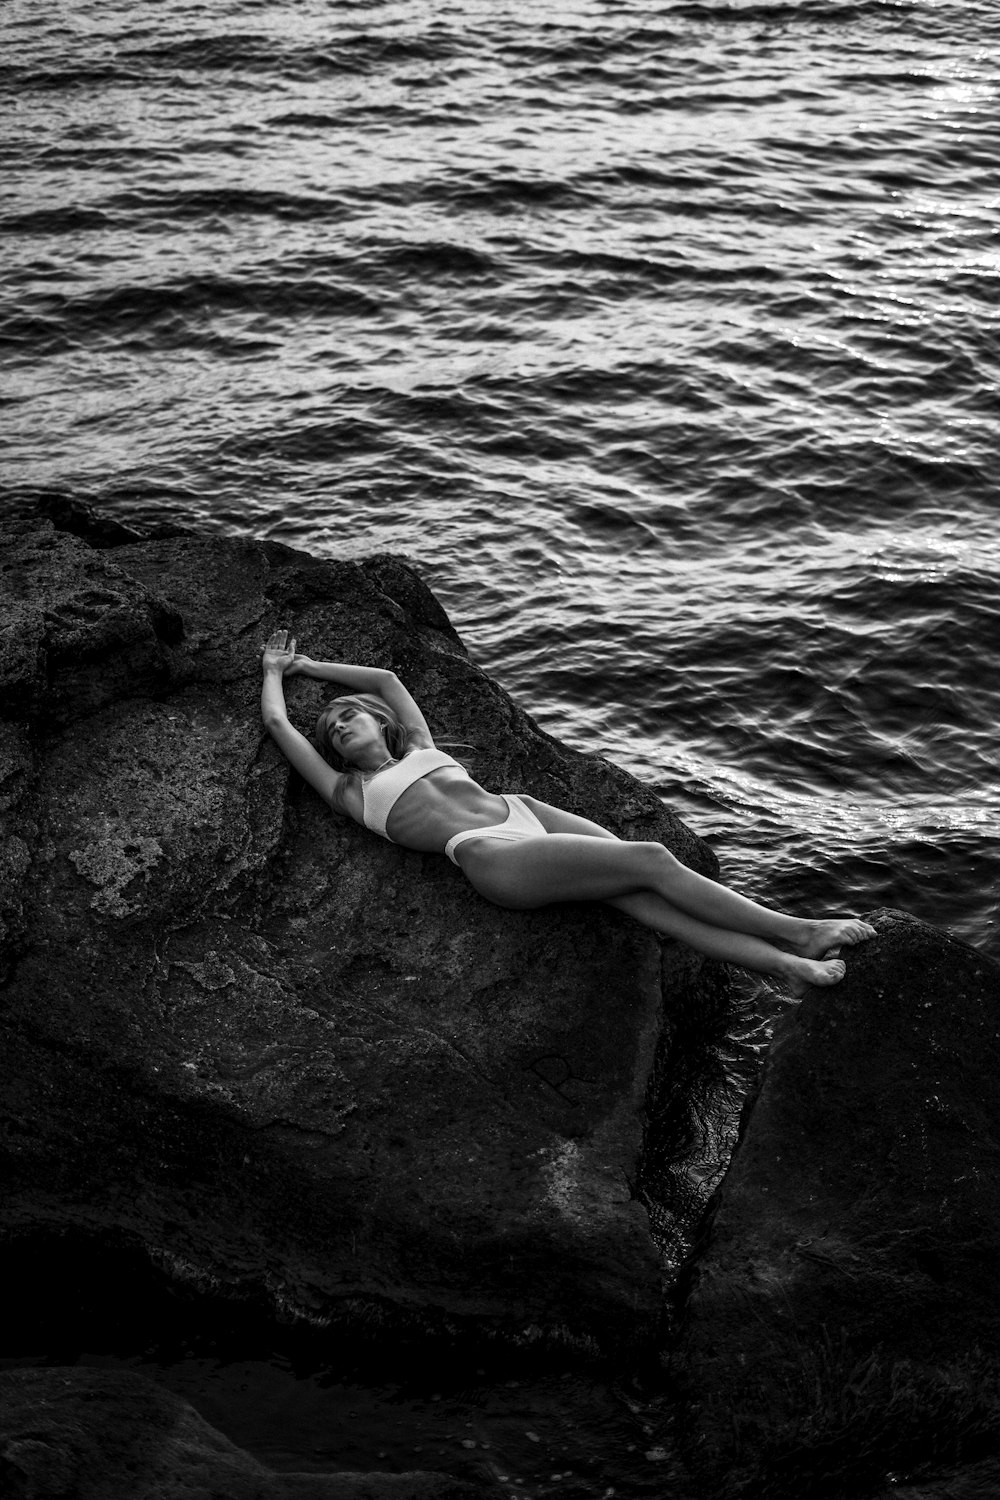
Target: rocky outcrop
(108, 1435)
(286, 1059)
(279, 1060)
(844, 1321)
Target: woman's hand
(279, 654)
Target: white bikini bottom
(520, 823)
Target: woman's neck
(378, 765)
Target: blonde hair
(396, 736)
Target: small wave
(55, 322)
(503, 192)
(438, 257)
(791, 12)
(23, 80)
(242, 58)
(604, 516)
(346, 52)
(167, 206)
(66, 218)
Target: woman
(516, 851)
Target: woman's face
(352, 730)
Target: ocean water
(662, 337)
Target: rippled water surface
(662, 336)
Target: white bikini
(381, 793)
(520, 823)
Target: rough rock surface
(291, 1060)
(844, 1320)
(107, 1435)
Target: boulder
(283, 1058)
(87, 1434)
(843, 1327)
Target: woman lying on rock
(516, 851)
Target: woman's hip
(520, 823)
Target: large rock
(844, 1322)
(286, 1058)
(78, 1434)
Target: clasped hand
(279, 653)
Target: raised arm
(279, 657)
(371, 680)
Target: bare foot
(821, 937)
(802, 973)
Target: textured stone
(76, 631)
(80, 1434)
(845, 1309)
(286, 1058)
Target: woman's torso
(428, 813)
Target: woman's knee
(658, 859)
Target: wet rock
(107, 1435)
(844, 1321)
(284, 1058)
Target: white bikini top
(383, 791)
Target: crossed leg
(581, 861)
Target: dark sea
(661, 336)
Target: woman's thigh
(556, 820)
(557, 867)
